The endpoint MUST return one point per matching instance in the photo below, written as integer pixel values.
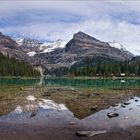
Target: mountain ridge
(62, 54)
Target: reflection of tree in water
(41, 82)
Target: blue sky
(52, 20)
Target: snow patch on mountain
(31, 53)
(51, 46)
(19, 41)
(48, 47)
(117, 45)
(28, 42)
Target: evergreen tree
(13, 67)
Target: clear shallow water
(48, 113)
(43, 109)
(129, 116)
(74, 83)
(51, 123)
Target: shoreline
(76, 77)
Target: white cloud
(107, 21)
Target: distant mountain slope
(50, 47)
(85, 45)
(80, 47)
(32, 47)
(80, 44)
(60, 54)
(117, 45)
(7, 43)
(28, 43)
(10, 48)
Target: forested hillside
(99, 66)
(13, 67)
(106, 67)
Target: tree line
(13, 67)
(115, 68)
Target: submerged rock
(136, 100)
(94, 108)
(123, 106)
(73, 123)
(33, 114)
(112, 114)
(90, 133)
(94, 94)
(126, 103)
(114, 105)
(47, 93)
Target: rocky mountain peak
(83, 36)
(85, 42)
(6, 42)
(117, 45)
(27, 42)
(59, 40)
(2, 36)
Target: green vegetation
(99, 66)
(60, 71)
(112, 68)
(13, 67)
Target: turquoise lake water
(74, 83)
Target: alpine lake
(69, 109)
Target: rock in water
(94, 108)
(126, 103)
(123, 106)
(33, 114)
(112, 114)
(90, 133)
(73, 123)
